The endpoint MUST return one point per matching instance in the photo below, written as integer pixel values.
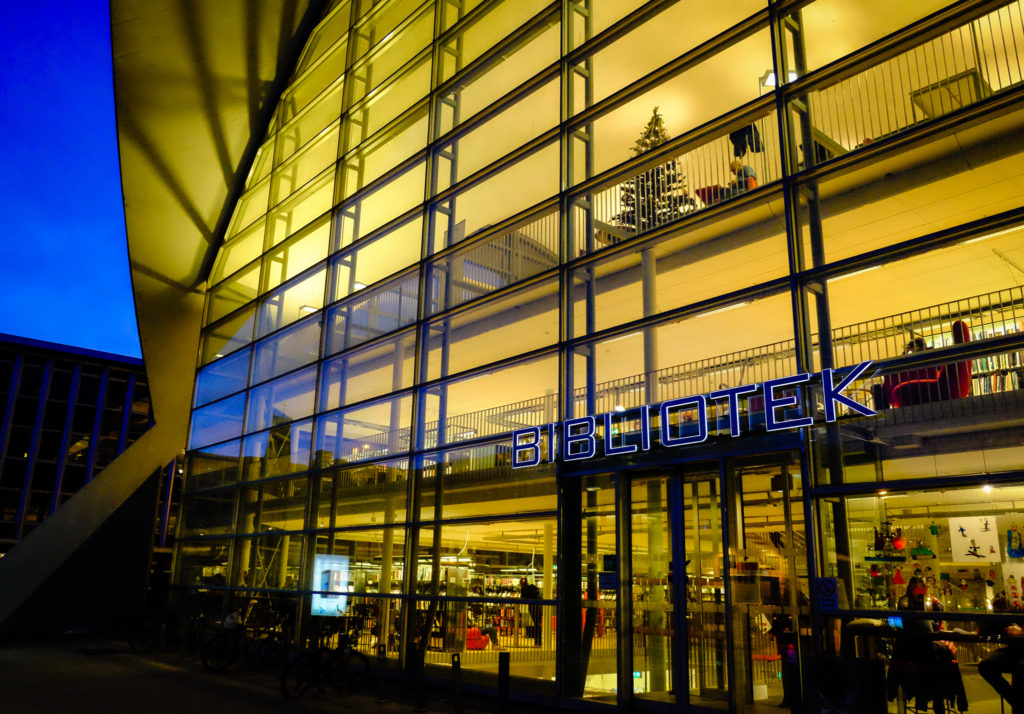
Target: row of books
(999, 381)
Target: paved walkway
(88, 675)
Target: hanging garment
(744, 139)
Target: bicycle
(259, 639)
(345, 667)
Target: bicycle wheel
(298, 675)
(220, 651)
(348, 669)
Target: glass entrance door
(768, 580)
(652, 591)
(706, 639)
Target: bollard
(504, 660)
(456, 683)
(382, 677)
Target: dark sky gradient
(63, 256)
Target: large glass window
(493, 402)
(500, 196)
(737, 344)
(305, 165)
(878, 312)
(372, 313)
(490, 82)
(364, 214)
(228, 335)
(385, 366)
(239, 290)
(387, 102)
(686, 100)
(294, 301)
(963, 546)
(368, 493)
(217, 422)
(521, 251)
(309, 123)
(311, 201)
(283, 400)
(376, 258)
(301, 252)
(222, 378)
(213, 466)
(385, 150)
(363, 433)
(943, 74)
(287, 350)
(489, 28)
(282, 450)
(662, 38)
(394, 49)
(737, 251)
(237, 252)
(513, 127)
(499, 329)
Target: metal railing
(944, 74)
(685, 184)
(524, 250)
(992, 315)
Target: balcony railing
(956, 69)
(993, 315)
(683, 185)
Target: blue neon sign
(576, 439)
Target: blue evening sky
(63, 255)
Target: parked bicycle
(257, 636)
(343, 666)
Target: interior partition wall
(472, 218)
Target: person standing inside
(529, 591)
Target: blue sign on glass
(577, 439)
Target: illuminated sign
(576, 439)
(330, 585)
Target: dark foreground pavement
(88, 675)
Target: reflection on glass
(292, 302)
(705, 593)
(372, 313)
(283, 400)
(287, 350)
(222, 378)
(281, 450)
(213, 466)
(653, 597)
(217, 422)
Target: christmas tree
(653, 197)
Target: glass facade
(471, 219)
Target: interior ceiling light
(768, 78)
(992, 235)
(724, 309)
(855, 272)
